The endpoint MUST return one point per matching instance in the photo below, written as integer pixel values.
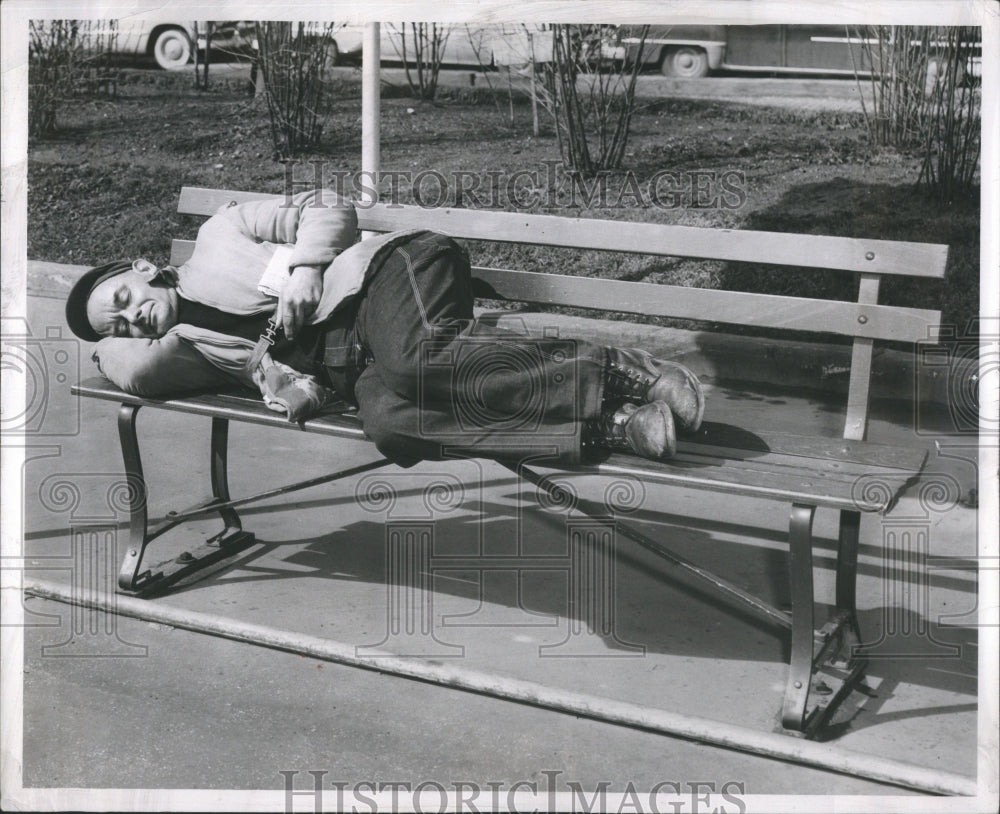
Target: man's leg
(485, 389)
(406, 432)
(416, 321)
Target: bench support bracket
(816, 661)
(822, 664)
(132, 578)
(800, 577)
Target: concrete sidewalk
(123, 704)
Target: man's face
(129, 304)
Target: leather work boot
(635, 375)
(646, 430)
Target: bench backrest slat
(774, 248)
(859, 389)
(680, 302)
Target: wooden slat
(730, 307)
(859, 390)
(773, 248)
(822, 475)
(823, 472)
(180, 251)
(237, 408)
(775, 487)
(721, 440)
(203, 201)
(723, 437)
(679, 302)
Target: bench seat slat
(778, 474)
(774, 486)
(680, 302)
(693, 456)
(248, 408)
(830, 478)
(778, 248)
(724, 437)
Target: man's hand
(299, 298)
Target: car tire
(686, 62)
(172, 49)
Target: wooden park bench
(847, 474)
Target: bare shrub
(511, 51)
(484, 60)
(422, 46)
(591, 99)
(292, 60)
(63, 58)
(952, 136)
(898, 58)
(922, 97)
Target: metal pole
(370, 116)
(534, 89)
(764, 744)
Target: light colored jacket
(231, 252)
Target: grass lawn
(105, 186)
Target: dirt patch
(107, 186)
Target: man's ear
(145, 269)
(151, 273)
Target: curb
(719, 359)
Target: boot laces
(626, 381)
(608, 430)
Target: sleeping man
(277, 295)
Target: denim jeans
(434, 382)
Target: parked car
(694, 51)
(169, 43)
(345, 44)
(683, 50)
(343, 41)
(462, 44)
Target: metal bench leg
(131, 577)
(231, 540)
(220, 474)
(815, 666)
(847, 568)
(136, 495)
(817, 660)
(800, 574)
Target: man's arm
(156, 367)
(319, 222)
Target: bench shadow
(531, 587)
(476, 576)
(903, 649)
